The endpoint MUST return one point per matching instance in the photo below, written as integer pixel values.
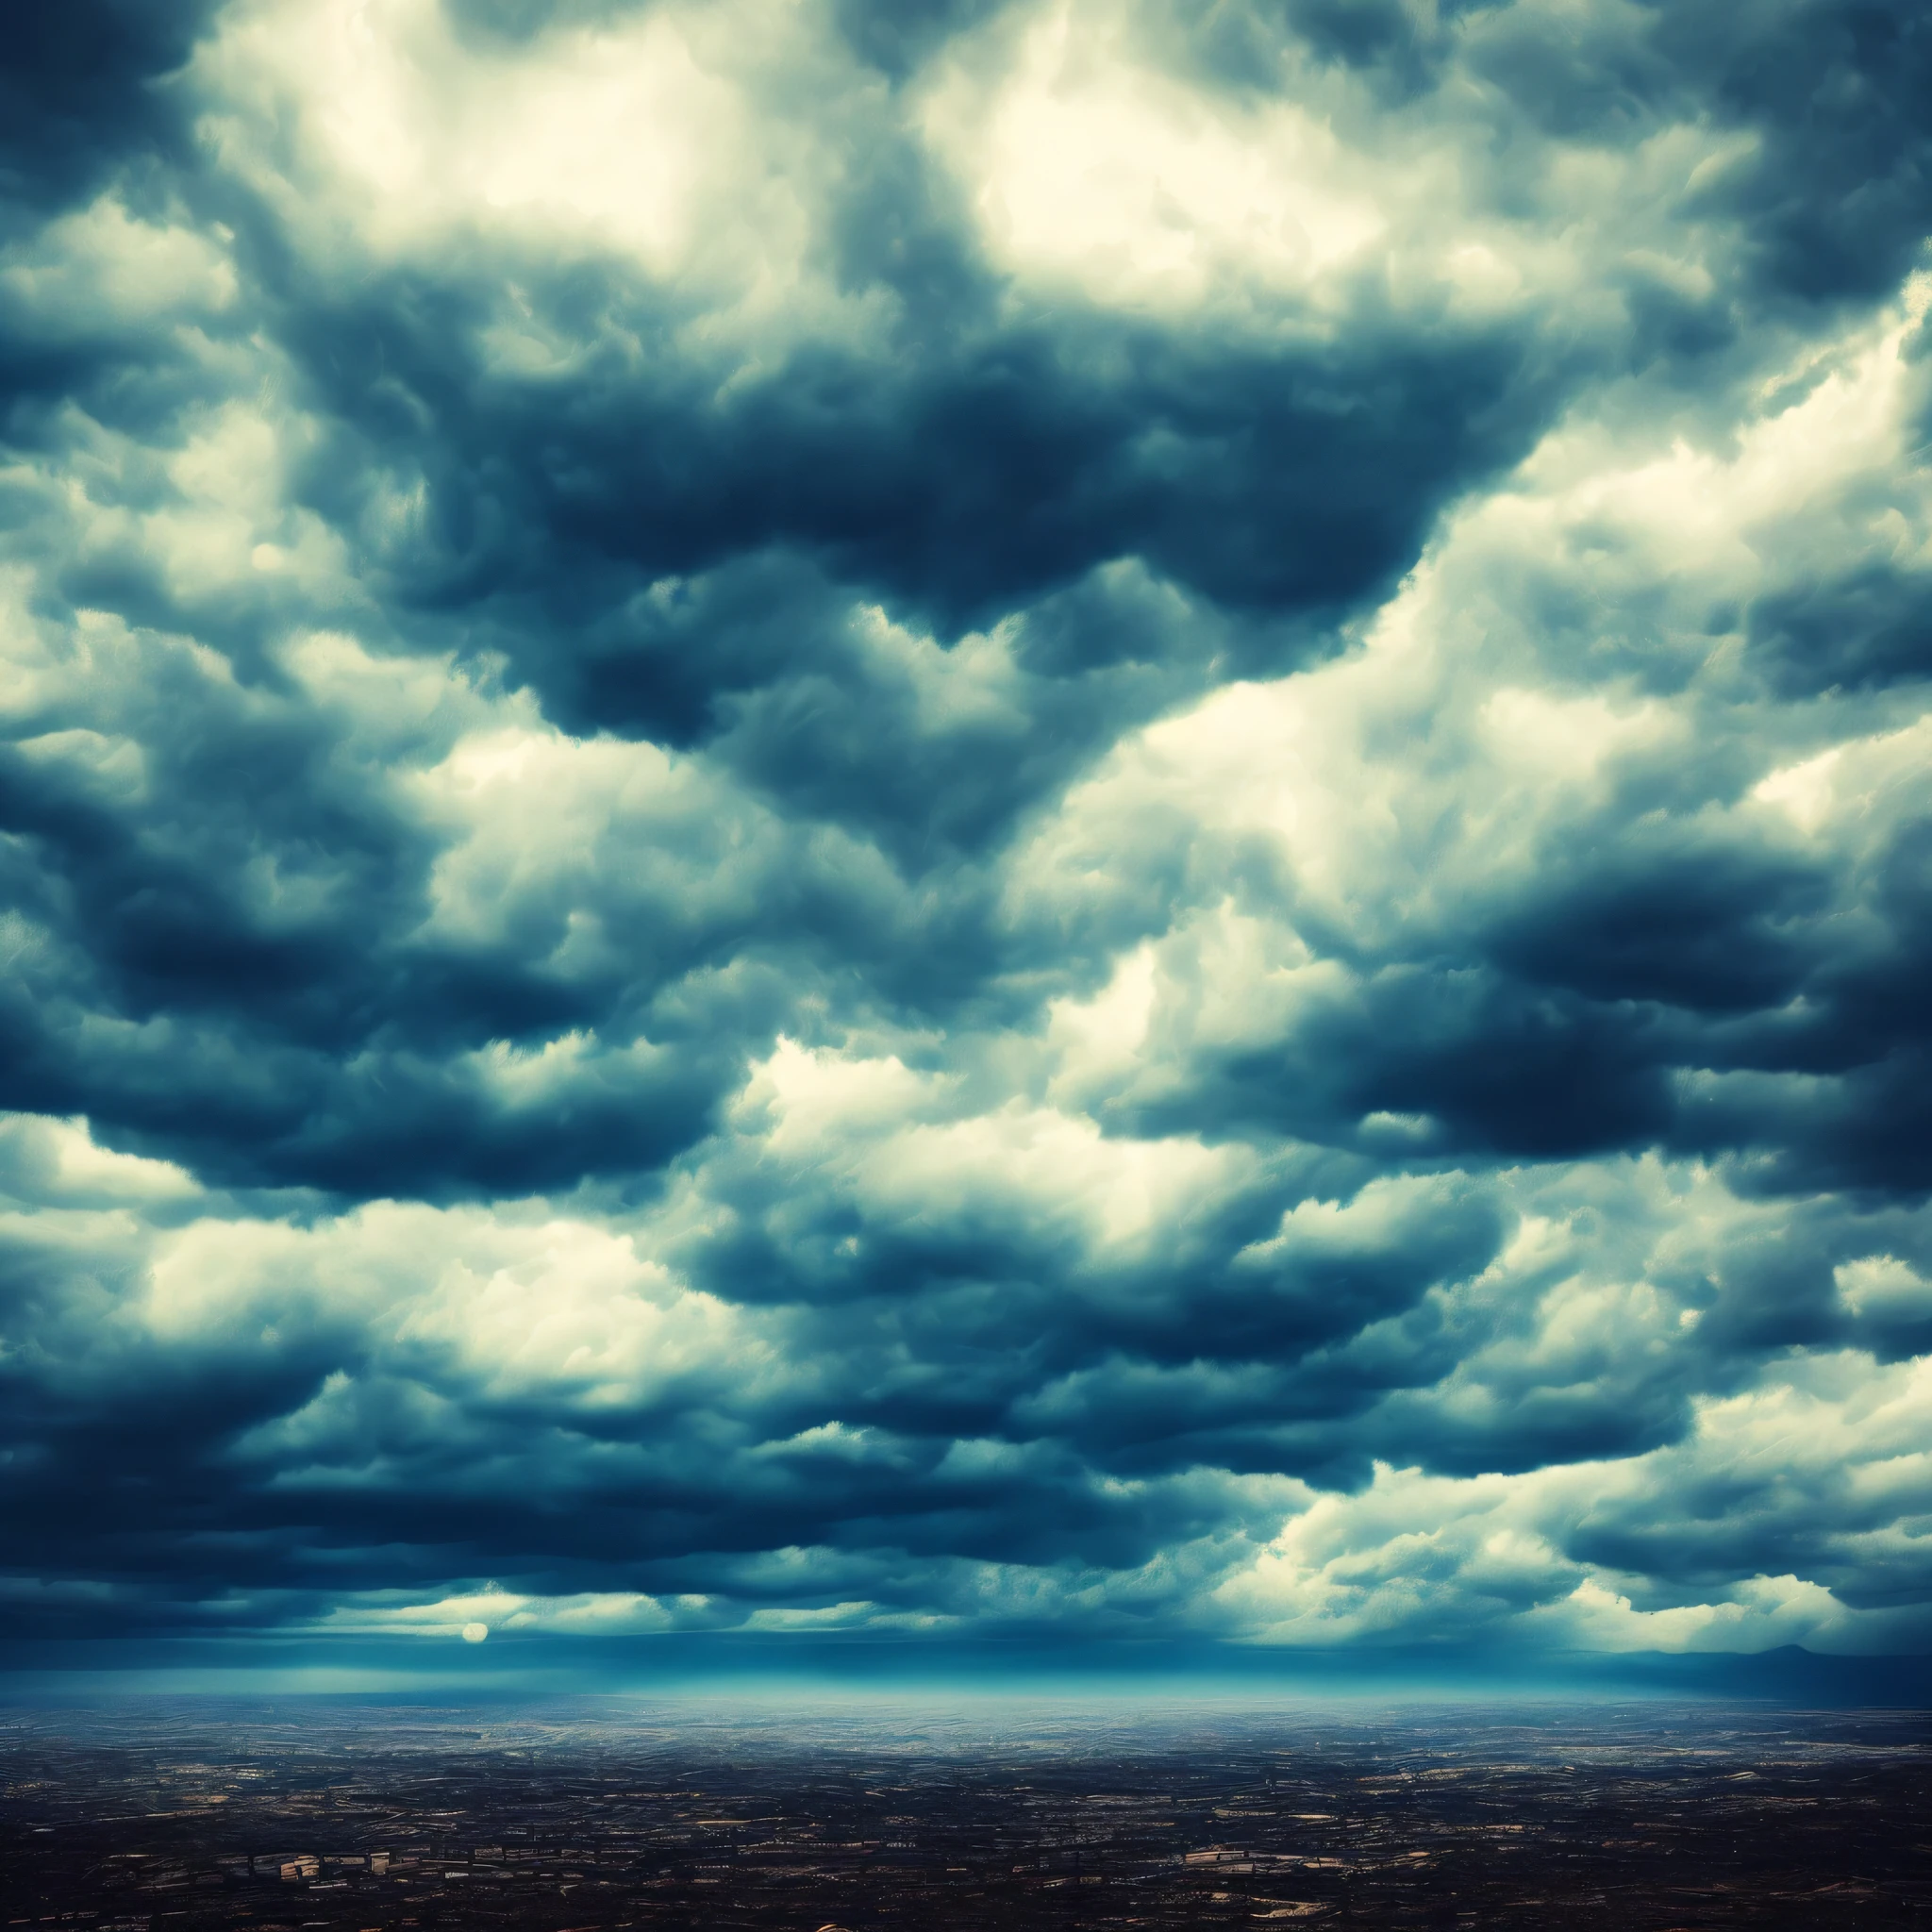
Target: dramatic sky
(959, 817)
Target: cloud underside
(1101, 817)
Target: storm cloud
(1112, 818)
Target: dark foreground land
(171, 1816)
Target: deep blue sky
(961, 818)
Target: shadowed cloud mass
(1097, 817)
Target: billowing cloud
(971, 817)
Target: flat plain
(173, 1815)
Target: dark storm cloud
(275, 1044)
(920, 915)
(79, 94)
(1783, 980)
(962, 476)
(1838, 205)
(1873, 627)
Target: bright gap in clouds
(1030, 822)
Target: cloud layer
(969, 817)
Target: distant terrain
(584, 1814)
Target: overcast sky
(925, 815)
